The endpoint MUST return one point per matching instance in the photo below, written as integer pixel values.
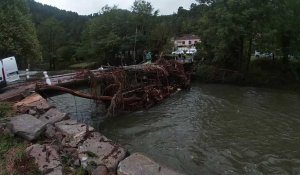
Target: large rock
(46, 158)
(137, 164)
(98, 149)
(35, 102)
(74, 132)
(52, 132)
(100, 170)
(56, 171)
(53, 116)
(26, 126)
(17, 92)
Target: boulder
(74, 132)
(100, 170)
(56, 171)
(46, 158)
(26, 126)
(29, 100)
(16, 93)
(32, 112)
(53, 116)
(50, 131)
(35, 102)
(137, 164)
(98, 149)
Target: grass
(6, 110)
(80, 171)
(13, 159)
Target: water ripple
(214, 129)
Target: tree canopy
(230, 31)
(18, 35)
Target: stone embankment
(60, 143)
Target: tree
(18, 36)
(229, 28)
(52, 37)
(144, 18)
(60, 34)
(108, 35)
(287, 23)
(143, 8)
(160, 39)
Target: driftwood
(132, 88)
(81, 94)
(151, 83)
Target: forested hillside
(230, 31)
(17, 32)
(110, 36)
(59, 33)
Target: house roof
(187, 37)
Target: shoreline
(53, 135)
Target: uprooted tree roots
(134, 87)
(141, 85)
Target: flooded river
(211, 129)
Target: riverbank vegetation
(231, 31)
(262, 73)
(6, 110)
(13, 159)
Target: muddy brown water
(211, 129)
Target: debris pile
(132, 88)
(138, 86)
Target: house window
(183, 42)
(190, 42)
(196, 42)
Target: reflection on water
(212, 129)
(80, 109)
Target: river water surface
(211, 129)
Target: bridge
(126, 88)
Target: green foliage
(160, 38)
(59, 32)
(13, 158)
(8, 142)
(120, 37)
(142, 7)
(232, 30)
(18, 35)
(107, 35)
(91, 154)
(212, 74)
(6, 110)
(273, 73)
(80, 171)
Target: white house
(186, 42)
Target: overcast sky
(86, 7)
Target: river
(211, 129)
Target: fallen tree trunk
(83, 95)
(131, 88)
